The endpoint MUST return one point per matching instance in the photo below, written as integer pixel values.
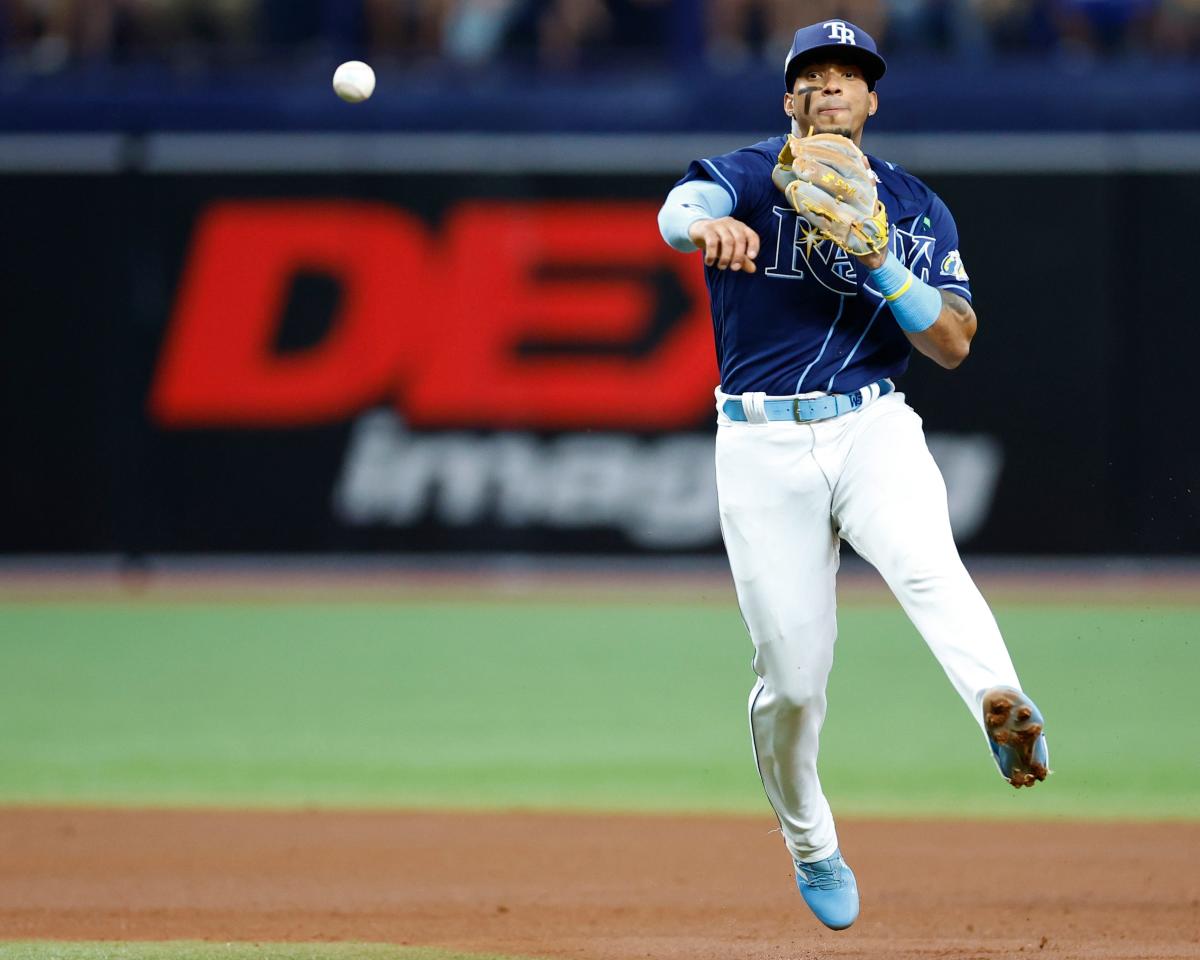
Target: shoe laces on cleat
(822, 875)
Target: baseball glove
(828, 181)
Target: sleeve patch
(952, 266)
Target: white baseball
(354, 81)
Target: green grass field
(634, 706)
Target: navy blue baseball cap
(829, 38)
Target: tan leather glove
(828, 181)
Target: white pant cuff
(807, 854)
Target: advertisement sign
(332, 363)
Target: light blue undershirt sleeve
(687, 203)
(919, 305)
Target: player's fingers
(737, 253)
(728, 244)
(726, 248)
(751, 250)
(745, 248)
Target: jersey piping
(832, 326)
(712, 167)
(857, 344)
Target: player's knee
(796, 690)
(794, 655)
(924, 573)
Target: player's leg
(774, 503)
(890, 504)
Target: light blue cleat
(830, 890)
(1014, 728)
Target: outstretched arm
(696, 217)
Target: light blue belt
(806, 411)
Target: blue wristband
(915, 304)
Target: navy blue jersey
(807, 319)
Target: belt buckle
(796, 410)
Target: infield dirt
(597, 887)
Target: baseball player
(824, 269)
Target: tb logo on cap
(839, 32)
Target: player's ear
(872, 103)
(787, 105)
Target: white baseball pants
(787, 492)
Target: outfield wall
(357, 342)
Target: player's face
(830, 98)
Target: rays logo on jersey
(798, 246)
(800, 251)
(952, 266)
(915, 250)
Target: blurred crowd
(48, 35)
